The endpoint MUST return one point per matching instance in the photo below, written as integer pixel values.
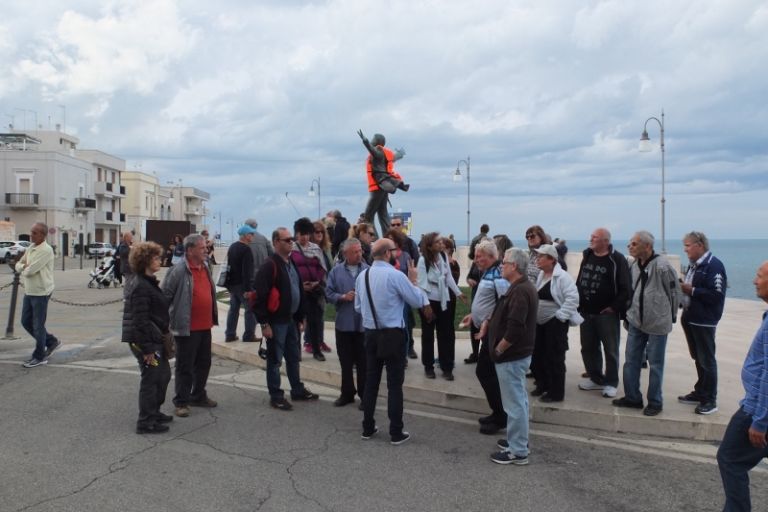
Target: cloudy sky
(250, 100)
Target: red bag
(273, 300)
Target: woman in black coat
(145, 323)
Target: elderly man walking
(703, 302)
(36, 269)
(653, 310)
(350, 338)
(511, 336)
(381, 293)
(745, 443)
(239, 282)
(190, 291)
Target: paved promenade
(580, 409)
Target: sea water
(740, 257)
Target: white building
(146, 200)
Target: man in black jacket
(239, 282)
(281, 324)
(604, 288)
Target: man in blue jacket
(703, 301)
(744, 443)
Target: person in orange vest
(382, 178)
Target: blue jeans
(34, 311)
(236, 301)
(638, 343)
(283, 344)
(603, 329)
(514, 398)
(735, 457)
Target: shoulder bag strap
(370, 299)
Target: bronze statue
(382, 178)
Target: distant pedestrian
(350, 338)
(745, 442)
(188, 287)
(703, 301)
(281, 326)
(210, 248)
(145, 324)
(123, 255)
(511, 333)
(381, 293)
(340, 231)
(36, 271)
(261, 248)
(484, 229)
(653, 309)
(239, 282)
(178, 249)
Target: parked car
(12, 249)
(100, 249)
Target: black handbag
(390, 340)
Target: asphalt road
(68, 445)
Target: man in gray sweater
(655, 299)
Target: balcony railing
(83, 203)
(22, 200)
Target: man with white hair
(654, 301)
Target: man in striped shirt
(744, 443)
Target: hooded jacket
(619, 277)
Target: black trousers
(350, 346)
(395, 376)
(193, 363)
(549, 357)
(446, 338)
(486, 374)
(152, 387)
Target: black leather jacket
(145, 315)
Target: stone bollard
(12, 309)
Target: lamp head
(645, 142)
(312, 190)
(457, 175)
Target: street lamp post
(312, 194)
(645, 146)
(457, 177)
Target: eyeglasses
(531, 236)
(285, 240)
(396, 225)
(319, 231)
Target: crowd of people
(522, 303)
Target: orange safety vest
(373, 186)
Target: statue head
(378, 139)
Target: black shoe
(249, 339)
(282, 404)
(644, 365)
(625, 402)
(155, 428)
(163, 418)
(367, 434)
(304, 395)
(652, 410)
(490, 429)
(691, 399)
(360, 406)
(406, 186)
(343, 400)
(429, 373)
(547, 399)
(537, 392)
(472, 359)
(502, 444)
(319, 356)
(400, 438)
(706, 408)
(231, 338)
(448, 375)
(49, 350)
(412, 354)
(491, 418)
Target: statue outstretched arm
(399, 153)
(373, 151)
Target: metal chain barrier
(8, 285)
(85, 305)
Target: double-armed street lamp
(645, 146)
(312, 194)
(457, 177)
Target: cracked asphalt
(68, 444)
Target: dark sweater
(240, 261)
(514, 319)
(603, 281)
(264, 282)
(145, 314)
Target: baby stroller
(103, 276)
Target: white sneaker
(609, 391)
(587, 385)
